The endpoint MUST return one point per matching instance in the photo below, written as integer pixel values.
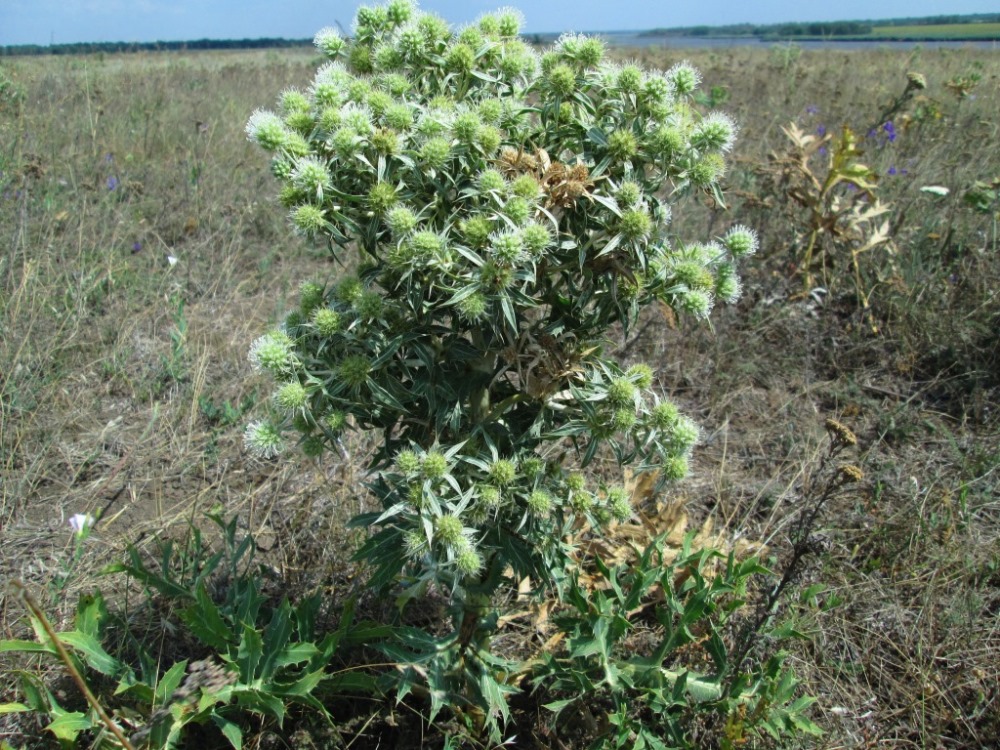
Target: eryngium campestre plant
(507, 208)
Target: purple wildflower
(890, 131)
(112, 183)
(822, 151)
(136, 246)
(812, 109)
(821, 130)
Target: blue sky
(60, 21)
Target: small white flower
(81, 523)
(171, 260)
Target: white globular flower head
(510, 21)
(741, 241)
(657, 89)
(697, 302)
(329, 41)
(581, 49)
(400, 11)
(357, 118)
(262, 439)
(409, 42)
(273, 353)
(684, 78)
(685, 435)
(717, 131)
(727, 283)
(311, 176)
(507, 247)
(267, 130)
(329, 85)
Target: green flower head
(370, 305)
(465, 127)
(472, 308)
(502, 472)
(623, 420)
(398, 117)
(310, 175)
(434, 465)
(476, 230)
(576, 482)
(562, 80)
(348, 290)
(385, 141)
(313, 446)
(537, 239)
(619, 503)
(381, 197)
(740, 241)
(684, 78)
(629, 78)
(293, 100)
(640, 374)
(354, 370)
(329, 41)
(336, 420)
(488, 138)
(469, 562)
(460, 58)
(708, 170)
(621, 391)
(539, 503)
(262, 439)
(435, 152)
(401, 221)
(697, 302)
(727, 283)
(310, 296)
(716, 132)
(664, 416)
(674, 468)
(495, 277)
(684, 435)
(268, 130)
(448, 529)
(407, 462)
(327, 321)
(635, 224)
(622, 145)
(308, 219)
(272, 352)
(491, 180)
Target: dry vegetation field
(143, 251)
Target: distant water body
(635, 39)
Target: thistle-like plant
(506, 208)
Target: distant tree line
(85, 48)
(818, 28)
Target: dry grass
(111, 392)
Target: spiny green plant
(507, 209)
(604, 679)
(262, 658)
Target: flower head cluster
(507, 209)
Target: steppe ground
(144, 250)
